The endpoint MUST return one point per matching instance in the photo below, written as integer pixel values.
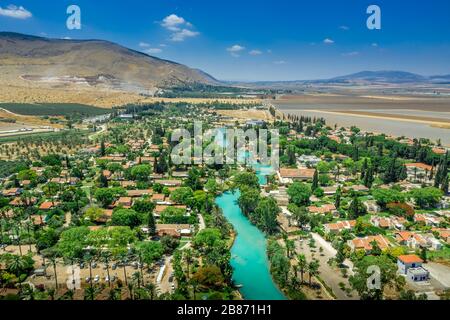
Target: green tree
(426, 197)
(266, 215)
(182, 195)
(141, 172)
(388, 277)
(126, 217)
(299, 193)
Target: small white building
(309, 161)
(411, 266)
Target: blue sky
(256, 40)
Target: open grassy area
(443, 254)
(53, 109)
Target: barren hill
(35, 62)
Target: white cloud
(180, 28)
(144, 44)
(67, 38)
(280, 62)
(183, 34)
(345, 28)
(153, 50)
(173, 22)
(235, 50)
(15, 12)
(351, 54)
(328, 41)
(255, 53)
(162, 45)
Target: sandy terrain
(441, 123)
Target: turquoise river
(249, 256)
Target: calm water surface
(249, 252)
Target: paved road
(440, 273)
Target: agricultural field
(53, 109)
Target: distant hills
(90, 63)
(61, 63)
(389, 77)
(363, 77)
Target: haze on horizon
(254, 41)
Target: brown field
(441, 123)
(23, 121)
(96, 98)
(352, 102)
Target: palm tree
(53, 261)
(151, 290)
(313, 269)
(15, 264)
(290, 248)
(17, 229)
(115, 294)
(302, 264)
(194, 284)
(188, 258)
(106, 258)
(89, 259)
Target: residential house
(418, 172)
(174, 230)
(48, 205)
(382, 222)
(339, 226)
(125, 202)
(309, 161)
(329, 191)
(138, 193)
(14, 192)
(411, 239)
(287, 176)
(170, 183)
(366, 243)
(444, 234)
(372, 207)
(105, 217)
(324, 209)
(428, 219)
(411, 266)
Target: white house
(411, 266)
(306, 160)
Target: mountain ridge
(110, 64)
